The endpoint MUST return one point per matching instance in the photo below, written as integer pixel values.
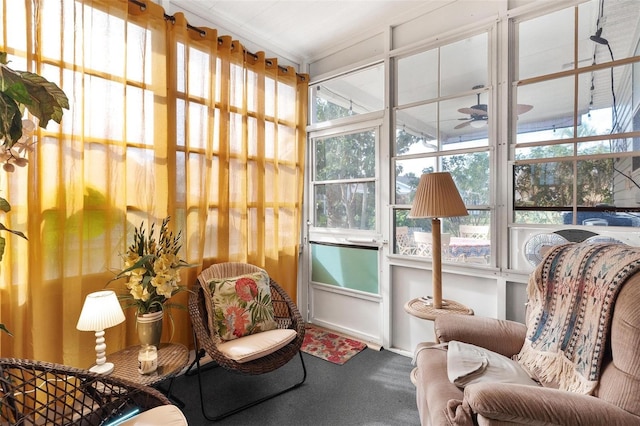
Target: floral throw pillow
(241, 305)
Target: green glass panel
(354, 268)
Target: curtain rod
(143, 6)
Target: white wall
(474, 288)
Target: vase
(149, 327)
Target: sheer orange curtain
(165, 119)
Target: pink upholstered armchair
(583, 315)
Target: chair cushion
(166, 415)
(254, 346)
(240, 306)
(468, 364)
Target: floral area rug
(330, 346)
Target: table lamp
(436, 197)
(101, 310)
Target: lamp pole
(436, 256)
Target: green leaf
(3, 328)
(4, 205)
(18, 92)
(2, 244)
(10, 119)
(175, 306)
(18, 233)
(47, 99)
(42, 98)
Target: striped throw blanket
(571, 298)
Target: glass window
(442, 124)
(348, 156)
(355, 93)
(453, 77)
(416, 129)
(344, 188)
(471, 174)
(463, 239)
(418, 77)
(545, 44)
(573, 155)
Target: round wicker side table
(420, 309)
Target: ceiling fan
(478, 114)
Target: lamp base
(105, 368)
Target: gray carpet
(372, 388)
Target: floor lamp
(436, 197)
(101, 310)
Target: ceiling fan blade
(522, 108)
(472, 111)
(463, 125)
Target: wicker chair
(286, 315)
(39, 393)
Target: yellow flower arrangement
(152, 269)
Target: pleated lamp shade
(101, 310)
(437, 196)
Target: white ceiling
(300, 30)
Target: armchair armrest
(501, 336)
(503, 402)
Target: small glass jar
(147, 359)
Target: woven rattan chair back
(42, 393)
(286, 316)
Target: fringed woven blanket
(571, 298)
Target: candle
(147, 359)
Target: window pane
(416, 130)
(463, 124)
(356, 93)
(607, 24)
(346, 156)
(464, 121)
(546, 151)
(454, 77)
(588, 109)
(537, 216)
(198, 78)
(545, 44)
(418, 77)
(470, 237)
(463, 239)
(470, 172)
(601, 109)
(408, 174)
(609, 181)
(605, 192)
(605, 146)
(345, 205)
(543, 184)
(595, 183)
(551, 116)
(603, 217)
